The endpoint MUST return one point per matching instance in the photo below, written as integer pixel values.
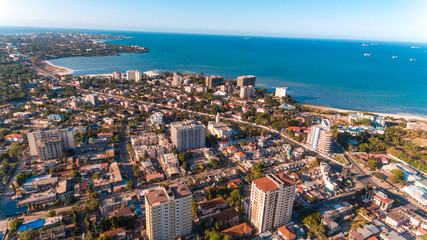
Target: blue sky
(393, 20)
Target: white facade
(168, 213)
(247, 91)
(281, 92)
(271, 201)
(156, 118)
(50, 143)
(133, 75)
(188, 135)
(319, 140)
(92, 99)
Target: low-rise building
(380, 199)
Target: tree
(51, 213)
(93, 205)
(130, 185)
(15, 223)
(195, 207)
(398, 173)
(13, 188)
(96, 175)
(235, 198)
(373, 164)
(377, 175)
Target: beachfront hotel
(271, 202)
(281, 92)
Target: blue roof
(138, 210)
(31, 225)
(12, 210)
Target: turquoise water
(323, 72)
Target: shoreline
(54, 69)
(406, 116)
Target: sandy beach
(406, 116)
(53, 69)
(98, 75)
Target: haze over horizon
(385, 20)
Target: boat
(367, 54)
(412, 59)
(365, 45)
(394, 57)
(414, 47)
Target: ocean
(332, 73)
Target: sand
(406, 116)
(53, 69)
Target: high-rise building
(214, 81)
(246, 80)
(319, 139)
(247, 91)
(117, 75)
(272, 199)
(188, 135)
(281, 92)
(168, 212)
(92, 99)
(176, 79)
(50, 143)
(133, 75)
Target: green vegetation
(373, 164)
(234, 196)
(15, 223)
(51, 213)
(377, 175)
(392, 141)
(396, 176)
(213, 235)
(314, 223)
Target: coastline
(406, 116)
(54, 69)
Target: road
(124, 156)
(364, 177)
(7, 190)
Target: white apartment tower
(168, 212)
(176, 79)
(247, 91)
(188, 135)
(92, 99)
(281, 92)
(271, 202)
(50, 143)
(246, 80)
(319, 140)
(133, 75)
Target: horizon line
(218, 34)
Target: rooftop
(266, 184)
(180, 190)
(157, 196)
(238, 230)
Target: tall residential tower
(188, 135)
(50, 143)
(168, 212)
(319, 139)
(272, 199)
